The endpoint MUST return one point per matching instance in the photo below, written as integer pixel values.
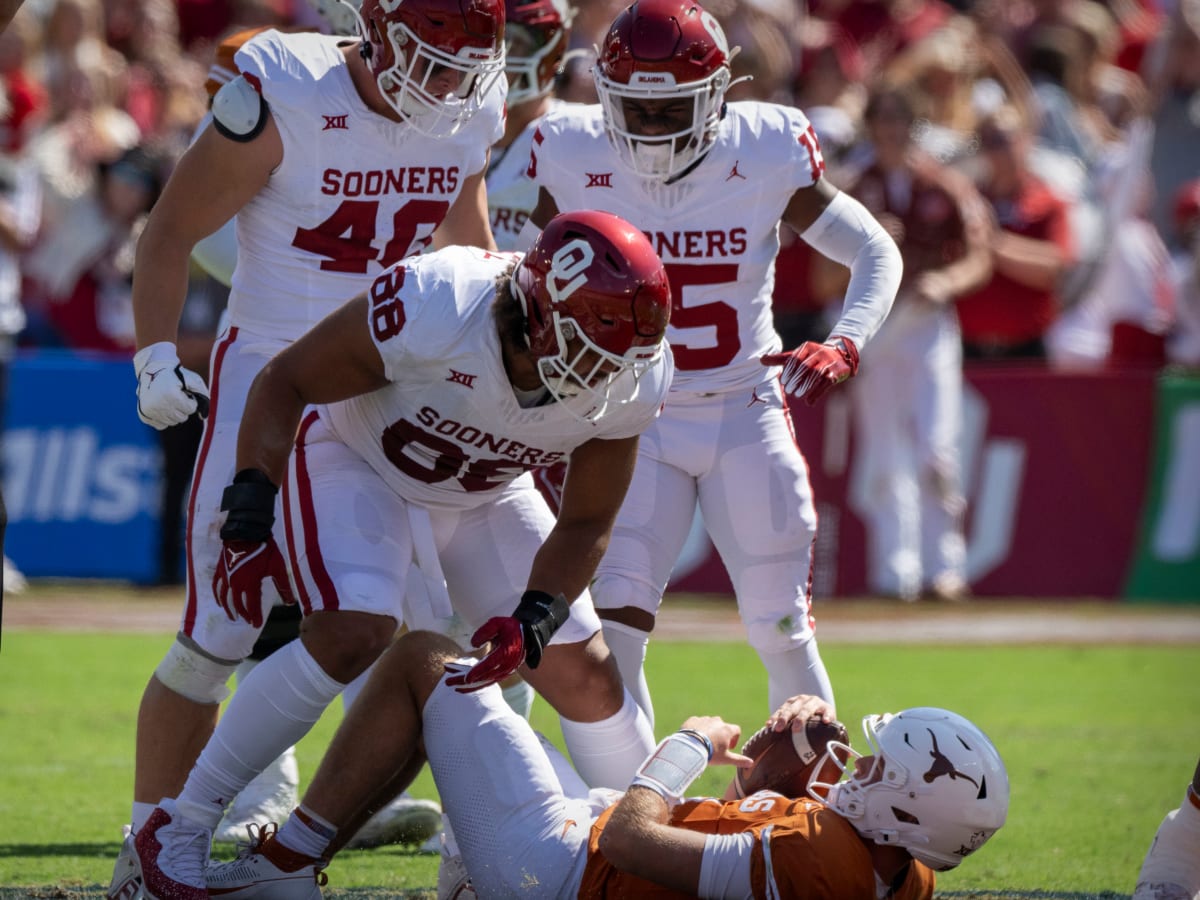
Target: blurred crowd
(1077, 121)
(1068, 131)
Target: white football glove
(167, 393)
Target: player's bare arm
(637, 837)
(214, 179)
(334, 361)
(597, 479)
(467, 221)
(808, 203)
(545, 210)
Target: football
(784, 760)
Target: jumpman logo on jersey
(734, 173)
(942, 765)
(336, 122)
(754, 398)
(462, 378)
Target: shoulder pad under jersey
(238, 109)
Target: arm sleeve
(725, 866)
(847, 233)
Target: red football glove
(241, 570)
(812, 369)
(519, 638)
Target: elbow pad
(239, 109)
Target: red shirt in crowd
(1004, 312)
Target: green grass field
(1099, 742)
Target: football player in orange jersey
(932, 790)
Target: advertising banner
(81, 472)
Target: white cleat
(270, 797)
(127, 874)
(266, 870)
(1171, 870)
(406, 820)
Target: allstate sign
(81, 476)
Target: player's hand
(519, 638)
(167, 393)
(812, 369)
(724, 736)
(795, 711)
(241, 570)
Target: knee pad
(191, 674)
(611, 591)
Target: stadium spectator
(932, 790)
(1171, 869)
(908, 407)
(1032, 248)
(1175, 89)
(557, 353)
(277, 135)
(79, 274)
(711, 182)
(1183, 343)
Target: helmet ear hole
(906, 817)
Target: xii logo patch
(601, 179)
(335, 122)
(462, 378)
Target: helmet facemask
(936, 787)
(526, 56)
(573, 364)
(666, 156)
(405, 85)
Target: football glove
(249, 554)
(519, 638)
(167, 393)
(812, 369)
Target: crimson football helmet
(663, 50)
(937, 786)
(535, 36)
(409, 44)
(596, 301)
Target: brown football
(784, 760)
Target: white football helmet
(408, 43)
(937, 786)
(340, 15)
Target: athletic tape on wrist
(675, 763)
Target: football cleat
(1171, 870)
(266, 870)
(406, 820)
(127, 874)
(270, 797)
(172, 852)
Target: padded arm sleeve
(847, 233)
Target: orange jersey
(802, 850)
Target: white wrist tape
(675, 763)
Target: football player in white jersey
(709, 182)
(339, 158)
(536, 34)
(440, 388)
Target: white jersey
(355, 192)
(716, 229)
(512, 194)
(448, 433)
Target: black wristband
(540, 615)
(250, 502)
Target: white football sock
(607, 753)
(272, 709)
(141, 812)
(797, 670)
(1174, 855)
(306, 832)
(628, 646)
